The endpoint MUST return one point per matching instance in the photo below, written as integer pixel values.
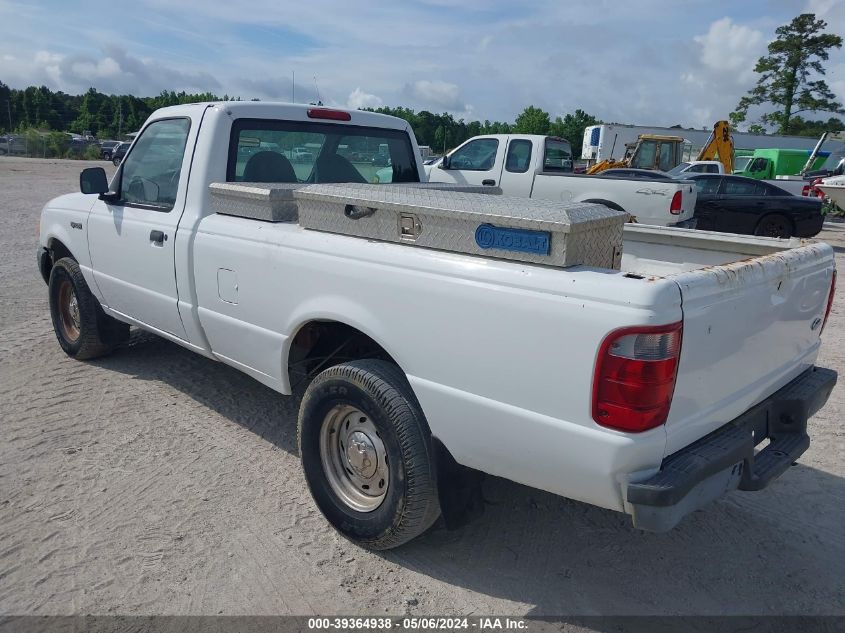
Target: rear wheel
(775, 225)
(82, 328)
(366, 454)
(116, 161)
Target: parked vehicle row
(541, 167)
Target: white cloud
(731, 48)
(360, 99)
(437, 94)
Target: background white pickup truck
(643, 389)
(530, 166)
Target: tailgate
(750, 327)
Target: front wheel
(366, 454)
(774, 225)
(82, 328)
(116, 162)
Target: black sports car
(735, 204)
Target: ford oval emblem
(815, 324)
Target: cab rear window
(265, 150)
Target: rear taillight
(635, 377)
(326, 113)
(675, 207)
(829, 301)
(812, 189)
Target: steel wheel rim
(69, 311)
(354, 458)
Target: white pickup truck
(643, 388)
(540, 167)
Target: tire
(82, 328)
(106, 155)
(370, 404)
(774, 225)
(116, 162)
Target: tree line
(113, 116)
(104, 116)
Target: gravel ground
(156, 481)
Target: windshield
(741, 163)
(267, 150)
(676, 171)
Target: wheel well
(776, 214)
(56, 250)
(319, 345)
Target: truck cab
(767, 164)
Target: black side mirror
(444, 163)
(93, 180)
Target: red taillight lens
(325, 113)
(675, 207)
(635, 377)
(829, 301)
(805, 190)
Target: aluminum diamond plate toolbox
(537, 231)
(274, 202)
(259, 201)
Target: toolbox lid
(546, 215)
(260, 201)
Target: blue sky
(651, 62)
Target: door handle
(488, 182)
(158, 237)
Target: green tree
(532, 121)
(790, 75)
(572, 127)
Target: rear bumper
(809, 227)
(725, 460)
(691, 223)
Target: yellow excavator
(652, 151)
(720, 146)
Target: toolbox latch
(409, 227)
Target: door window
(667, 156)
(150, 172)
(477, 155)
(758, 164)
(707, 185)
(519, 156)
(743, 188)
(558, 156)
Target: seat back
(268, 167)
(335, 168)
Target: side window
(758, 164)
(477, 155)
(707, 185)
(150, 172)
(712, 169)
(743, 188)
(519, 156)
(667, 156)
(558, 156)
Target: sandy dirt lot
(155, 481)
